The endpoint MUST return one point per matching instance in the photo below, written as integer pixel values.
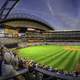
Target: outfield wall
(25, 44)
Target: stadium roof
(60, 14)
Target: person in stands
(0, 65)
(6, 69)
(1, 60)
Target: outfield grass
(53, 55)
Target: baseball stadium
(39, 40)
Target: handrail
(20, 72)
(54, 74)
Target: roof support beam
(6, 8)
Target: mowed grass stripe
(64, 63)
(53, 58)
(76, 60)
(47, 55)
(34, 52)
(78, 57)
(69, 65)
(61, 59)
(37, 51)
(73, 61)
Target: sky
(60, 14)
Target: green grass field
(61, 57)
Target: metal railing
(59, 76)
(20, 72)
